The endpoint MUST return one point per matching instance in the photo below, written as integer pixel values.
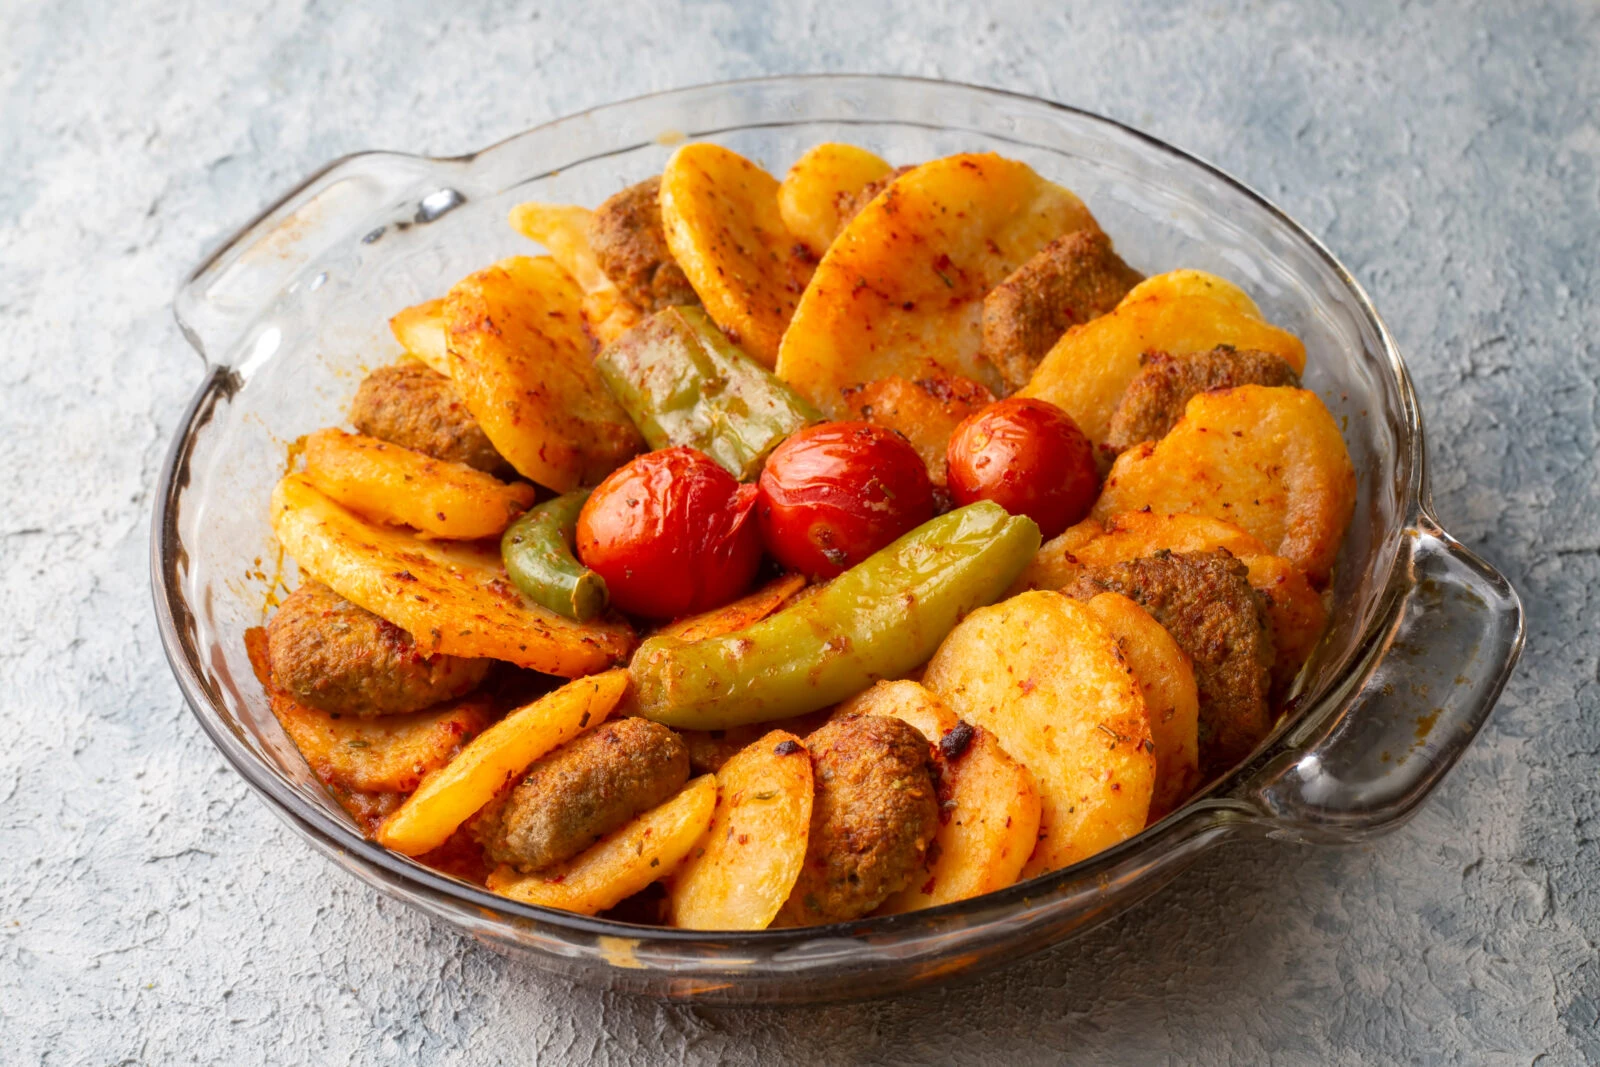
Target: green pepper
(537, 550)
(880, 619)
(683, 383)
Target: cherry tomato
(1029, 457)
(672, 533)
(834, 494)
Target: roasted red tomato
(672, 533)
(1029, 457)
(834, 494)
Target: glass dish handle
(349, 199)
(1433, 680)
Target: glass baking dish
(291, 312)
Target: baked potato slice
(628, 859)
(1166, 680)
(1268, 459)
(744, 868)
(452, 597)
(900, 291)
(563, 229)
(720, 213)
(813, 195)
(420, 331)
(453, 794)
(395, 485)
(1294, 606)
(746, 611)
(989, 807)
(1089, 369)
(1046, 677)
(925, 412)
(525, 369)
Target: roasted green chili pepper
(537, 550)
(880, 619)
(683, 383)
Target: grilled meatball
(416, 407)
(869, 192)
(876, 809)
(1204, 600)
(626, 235)
(1071, 280)
(582, 791)
(1154, 401)
(333, 655)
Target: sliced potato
(420, 331)
(1166, 680)
(524, 367)
(817, 187)
(1294, 606)
(1089, 369)
(381, 754)
(563, 229)
(925, 412)
(746, 611)
(452, 597)
(395, 485)
(746, 865)
(453, 794)
(1270, 460)
(901, 290)
(1044, 675)
(623, 862)
(989, 806)
(720, 214)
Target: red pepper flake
(1027, 685)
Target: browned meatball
(1204, 600)
(414, 406)
(1154, 401)
(626, 235)
(849, 209)
(341, 658)
(582, 791)
(1071, 280)
(876, 809)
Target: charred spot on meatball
(1205, 601)
(1071, 280)
(582, 791)
(630, 244)
(1155, 400)
(332, 655)
(414, 406)
(875, 812)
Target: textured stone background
(152, 911)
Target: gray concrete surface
(152, 911)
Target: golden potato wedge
(420, 331)
(746, 611)
(563, 229)
(746, 865)
(901, 290)
(925, 412)
(1043, 674)
(623, 862)
(1089, 369)
(450, 796)
(1269, 460)
(989, 806)
(452, 597)
(817, 187)
(720, 214)
(1166, 680)
(1296, 609)
(525, 368)
(1186, 282)
(395, 485)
